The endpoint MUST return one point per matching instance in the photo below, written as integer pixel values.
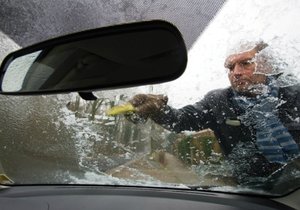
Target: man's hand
(148, 105)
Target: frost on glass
(7, 45)
(113, 139)
(64, 139)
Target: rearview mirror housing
(106, 58)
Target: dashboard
(119, 198)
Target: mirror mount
(88, 96)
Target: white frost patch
(110, 123)
(102, 179)
(82, 132)
(189, 132)
(7, 46)
(236, 21)
(238, 189)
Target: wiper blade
(202, 187)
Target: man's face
(241, 71)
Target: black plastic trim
(96, 196)
(110, 30)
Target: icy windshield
(231, 123)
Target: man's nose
(238, 69)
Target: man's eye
(230, 67)
(247, 63)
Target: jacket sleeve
(189, 118)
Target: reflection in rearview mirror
(118, 56)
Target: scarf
(273, 139)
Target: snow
(250, 20)
(95, 178)
(237, 21)
(7, 45)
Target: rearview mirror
(117, 56)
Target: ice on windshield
(206, 72)
(7, 45)
(250, 21)
(65, 139)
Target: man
(255, 120)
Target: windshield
(230, 123)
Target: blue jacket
(219, 112)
